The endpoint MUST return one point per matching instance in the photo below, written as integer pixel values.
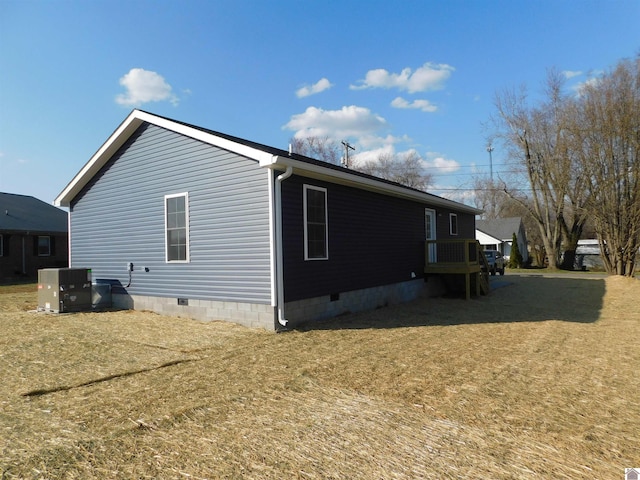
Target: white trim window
(453, 223)
(176, 225)
(316, 231)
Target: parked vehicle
(495, 261)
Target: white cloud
(462, 196)
(143, 86)
(373, 155)
(424, 105)
(579, 88)
(320, 86)
(430, 76)
(440, 164)
(571, 73)
(375, 141)
(348, 122)
(363, 128)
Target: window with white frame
(44, 246)
(453, 224)
(176, 210)
(316, 239)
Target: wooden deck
(459, 257)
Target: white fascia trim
(122, 134)
(108, 148)
(371, 184)
(209, 138)
(486, 236)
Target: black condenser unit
(64, 290)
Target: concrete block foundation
(301, 311)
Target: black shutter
(52, 245)
(6, 241)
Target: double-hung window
(176, 213)
(44, 246)
(316, 239)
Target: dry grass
(539, 380)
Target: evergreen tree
(515, 259)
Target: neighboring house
(497, 234)
(588, 255)
(187, 221)
(33, 235)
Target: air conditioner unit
(64, 290)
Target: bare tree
(607, 136)
(489, 196)
(537, 140)
(321, 148)
(406, 169)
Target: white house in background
(497, 234)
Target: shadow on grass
(514, 298)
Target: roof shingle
(22, 213)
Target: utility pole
(490, 149)
(347, 146)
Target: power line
(475, 173)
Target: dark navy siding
(466, 225)
(119, 218)
(373, 240)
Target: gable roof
(484, 238)
(22, 213)
(268, 157)
(500, 228)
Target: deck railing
(459, 257)
(442, 253)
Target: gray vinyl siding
(119, 218)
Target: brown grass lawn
(539, 380)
